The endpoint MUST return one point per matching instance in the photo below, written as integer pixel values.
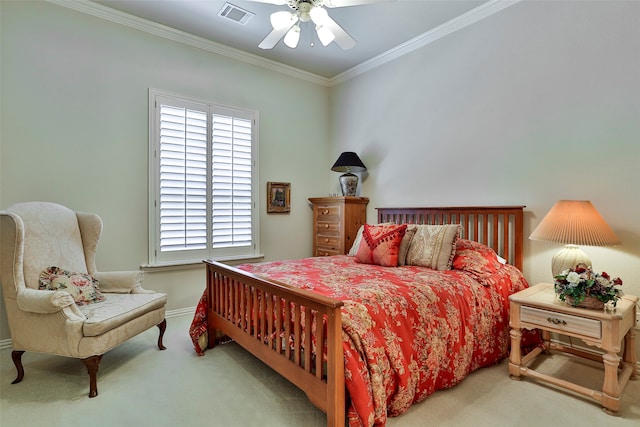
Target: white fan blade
(345, 3)
(274, 37)
(343, 39)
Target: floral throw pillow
(82, 287)
(380, 244)
(433, 246)
(476, 258)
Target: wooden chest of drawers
(336, 221)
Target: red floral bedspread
(407, 331)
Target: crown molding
(474, 15)
(118, 17)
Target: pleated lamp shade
(573, 222)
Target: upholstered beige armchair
(53, 303)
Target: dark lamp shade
(348, 162)
(575, 222)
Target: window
(203, 173)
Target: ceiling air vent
(235, 14)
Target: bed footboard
(287, 328)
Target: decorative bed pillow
(380, 244)
(356, 242)
(476, 258)
(406, 242)
(82, 287)
(433, 246)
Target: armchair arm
(46, 302)
(121, 282)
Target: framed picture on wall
(278, 197)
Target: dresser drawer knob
(326, 240)
(326, 226)
(556, 321)
(325, 212)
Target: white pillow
(356, 242)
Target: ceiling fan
(286, 23)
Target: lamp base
(568, 257)
(348, 184)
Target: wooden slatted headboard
(499, 227)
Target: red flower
(617, 281)
(580, 268)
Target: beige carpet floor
(141, 386)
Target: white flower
(573, 277)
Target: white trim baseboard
(6, 343)
(180, 312)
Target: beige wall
(536, 103)
(75, 130)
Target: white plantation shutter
(183, 179)
(203, 172)
(231, 190)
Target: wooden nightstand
(336, 221)
(537, 307)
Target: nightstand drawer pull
(556, 321)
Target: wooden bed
(248, 308)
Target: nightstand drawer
(563, 322)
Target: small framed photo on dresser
(278, 197)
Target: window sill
(198, 263)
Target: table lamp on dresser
(348, 162)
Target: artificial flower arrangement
(576, 285)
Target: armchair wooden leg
(92, 363)
(16, 355)
(162, 326)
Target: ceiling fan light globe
(282, 19)
(319, 15)
(292, 37)
(325, 35)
